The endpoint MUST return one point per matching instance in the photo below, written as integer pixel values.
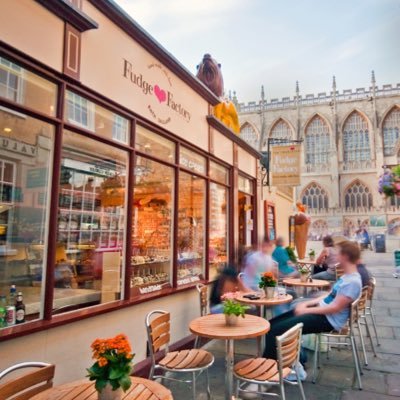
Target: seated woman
(326, 313)
(228, 281)
(281, 256)
(328, 258)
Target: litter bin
(380, 243)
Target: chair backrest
(354, 311)
(288, 347)
(362, 304)
(339, 271)
(28, 385)
(158, 331)
(203, 295)
(371, 289)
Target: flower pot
(231, 320)
(108, 394)
(269, 292)
(303, 277)
(312, 258)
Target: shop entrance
(246, 225)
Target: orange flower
(269, 275)
(119, 345)
(102, 362)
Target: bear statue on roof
(209, 72)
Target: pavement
(336, 377)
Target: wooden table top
(263, 301)
(213, 326)
(306, 261)
(84, 390)
(298, 282)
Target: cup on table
(281, 291)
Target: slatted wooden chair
(194, 362)
(347, 334)
(262, 371)
(27, 385)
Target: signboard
(285, 165)
(36, 178)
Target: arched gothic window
(281, 130)
(356, 146)
(317, 142)
(249, 134)
(358, 195)
(315, 197)
(391, 131)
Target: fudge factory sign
(156, 84)
(285, 165)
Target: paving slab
(364, 395)
(393, 382)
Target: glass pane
(245, 185)
(26, 147)
(191, 228)
(192, 161)
(91, 222)
(219, 234)
(24, 87)
(86, 114)
(219, 173)
(152, 227)
(154, 145)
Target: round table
(213, 326)
(84, 389)
(306, 262)
(314, 283)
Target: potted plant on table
(304, 272)
(311, 254)
(268, 282)
(112, 368)
(232, 309)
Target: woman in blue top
(328, 312)
(281, 256)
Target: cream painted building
(347, 137)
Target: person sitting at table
(228, 281)
(258, 262)
(281, 256)
(326, 313)
(328, 259)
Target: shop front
(119, 190)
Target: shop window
(191, 228)
(152, 227)
(84, 113)
(91, 223)
(80, 111)
(24, 87)
(219, 173)
(270, 221)
(219, 229)
(193, 161)
(120, 129)
(26, 146)
(154, 145)
(245, 185)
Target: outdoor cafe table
(213, 326)
(85, 390)
(314, 283)
(308, 263)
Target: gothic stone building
(347, 138)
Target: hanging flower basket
(389, 182)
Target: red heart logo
(160, 94)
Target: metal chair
(369, 312)
(348, 335)
(262, 371)
(195, 361)
(26, 386)
(204, 306)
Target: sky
(277, 42)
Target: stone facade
(347, 138)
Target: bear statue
(209, 72)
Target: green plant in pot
(304, 272)
(268, 282)
(311, 254)
(232, 309)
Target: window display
(193, 161)
(154, 145)
(152, 226)
(83, 113)
(191, 228)
(218, 247)
(26, 148)
(91, 222)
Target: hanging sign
(285, 165)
